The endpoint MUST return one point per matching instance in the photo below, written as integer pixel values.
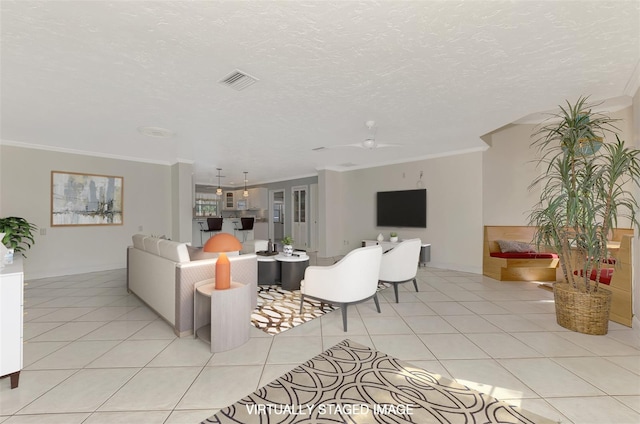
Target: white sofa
(162, 274)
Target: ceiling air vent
(238, 80)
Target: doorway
(299, 221)
(276, 218)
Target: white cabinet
(228, 201)
(205, 207)
(258, 198)
(234, 200)
(11, 311)
(206, 202)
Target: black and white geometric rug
(279, 310)
(351, 383)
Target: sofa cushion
(523, 255)
(174, 251)
(197, 254)
(508, 246)
(151, 245)
(138, 241)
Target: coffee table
(268, 270)
(292, 269)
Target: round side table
(230, 314)
(292, 270)
(268, 270)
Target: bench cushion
(523, 255)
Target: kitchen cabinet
(11, 318)
(258, 198)
(234, 200)
(205, 208)
(206, 202)
(229, 203)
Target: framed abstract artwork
(85, 199)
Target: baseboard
(455, 267)
(70, 271)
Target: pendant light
(219, 189)
(245, 193)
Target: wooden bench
(615, 276)
(526, 268)
(620, 282)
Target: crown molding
(408, 160)
(81, 152)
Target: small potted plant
(17, 233)
(287, 245)
(393, 237)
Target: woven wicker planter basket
(586, 313)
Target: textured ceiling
(434, 75)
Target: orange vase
(223, 272)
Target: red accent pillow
(605, 275)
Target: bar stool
(246, 225)
(214, 225)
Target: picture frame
(79, 199)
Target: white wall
(182, 202)
(635, 137)
(330, 213)
(454, 207)
(25, 189)
(507, 170)
(509, 167)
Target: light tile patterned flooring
(95, 354)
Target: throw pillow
(510, 246)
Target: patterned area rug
(351, 383)
(279, 310)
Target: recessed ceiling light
(156, 132)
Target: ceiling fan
(368, 143)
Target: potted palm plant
(584, 188)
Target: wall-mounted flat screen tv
(403, 208)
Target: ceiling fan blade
(341, 146)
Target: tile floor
(95, 354)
